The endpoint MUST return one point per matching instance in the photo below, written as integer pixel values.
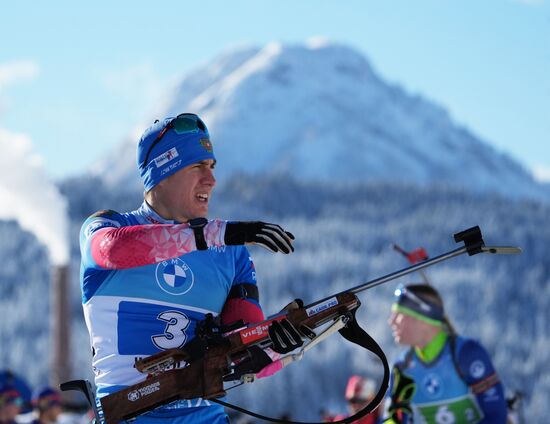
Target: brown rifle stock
(203, 378)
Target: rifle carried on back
(199, 369)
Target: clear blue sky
(77, 77)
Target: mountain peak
(319, 111)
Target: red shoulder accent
(237, 309)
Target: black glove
(254, 361)
(284, 336)
(270, 236)
(403, 390)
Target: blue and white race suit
(137, 312)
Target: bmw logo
(174, 276)
(432, 385)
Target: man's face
(186, 194)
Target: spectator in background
(46, 403)
(359, 392)
(10, 378)
(11, 403)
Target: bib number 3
(174, 333)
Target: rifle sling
(355, 334)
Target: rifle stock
(203, 378)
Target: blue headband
(163, 151)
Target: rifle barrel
(400, 273)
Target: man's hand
(268, 361)
(255, 361)
(284, 336)
(269, 236)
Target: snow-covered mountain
(320, 112)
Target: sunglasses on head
(185, 123)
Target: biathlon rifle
(183, 374)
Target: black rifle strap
(355, 334)
(244, 291)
